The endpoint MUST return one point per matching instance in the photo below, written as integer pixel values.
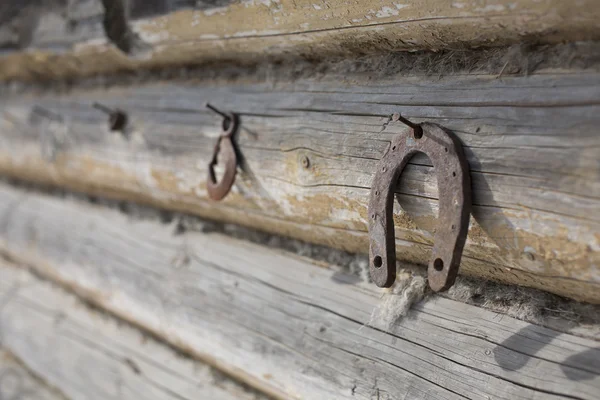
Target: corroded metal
(225, 150)
(117, 118)
(454, 186)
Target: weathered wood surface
(250, 30)
(294, 328)
(49, 24)
(532, 144)
(88, 355)
(17, 383)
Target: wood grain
(16, 382)
(532, 144)
(295, 328)
(88, 355)
(70, 39)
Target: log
(309, 149)
(89, 355)
(16, 381)
(68, 41)
(296, 329)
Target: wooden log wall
(291, 328)
(17, 382)
(309, 149)
(86, 354)
(95, 303)
(69, 39)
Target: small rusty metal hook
(454, 185)
(224, 147)
(117, 119)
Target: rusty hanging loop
(454, 185)
(225, 149)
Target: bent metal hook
(454, 186)
(224, 148)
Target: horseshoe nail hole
(377, 193)
(373, 216)
(453, 173)
(377, 262)
(393, 147)
(383, 169)
(446, 149)
(418, 132)
(453, 227)
(438, 264)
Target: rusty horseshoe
(454, 186)
(224, 148)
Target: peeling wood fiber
(68, 40)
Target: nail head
(305, 162)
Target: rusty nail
(117, 118)
(417, 130)
(405, 121)
(216, 110)
(117, 121)
(227, 118)
(103, 108)
(305, 162)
